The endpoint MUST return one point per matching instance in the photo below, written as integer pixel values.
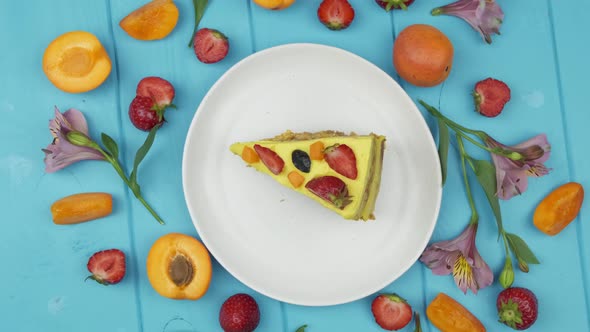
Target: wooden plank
(522, 56)
(370, 37)
(45, 264)
(570, 51)
(173, 60)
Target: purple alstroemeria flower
(485, 16)
(461, 258)
(61, 153)
(512, 175)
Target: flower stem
(135, 189)
(436, 113)
(474, 217)
(459, 129)
(505, 242)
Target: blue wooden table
(542, 54)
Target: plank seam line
(568, 154)
(251, 26)
(132, 245)
(426, 327)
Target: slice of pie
(341, 172)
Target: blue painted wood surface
(541, 54)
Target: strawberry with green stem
(394, 4)
(517, 307)
(391, 312)
(153, 96)
(336, 14)
(107, 266)
(210, 45)
(330, 189)
(490, 96)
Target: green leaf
(443, 148)
(520, 249)
(200, 6)
(301, 328)
(417, 327)
(110, 145)
(486, 176)
(141, 153)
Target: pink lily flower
(485, 16)
(461, 258)
(61, 153)
(512, 175)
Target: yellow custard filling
(363, 190)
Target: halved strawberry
(391, 311)
(156, 88)
(336, 14)
(270, 159)
(210, 45)
(331, 189)
(107, 266)
(341, 158)
(490, 96)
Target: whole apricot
(423, 55)
(274, 4)
(179, 267)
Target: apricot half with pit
(179, 267)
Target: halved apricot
(76, 62)
(154, 20)
(274, 4)
(179, 267)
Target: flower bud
(523, 266)
(507, 275)
(515, 155)
(79, 139)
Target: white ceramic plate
(281, 243)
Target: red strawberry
(336, 14)
(143, 114)
(210, 45)
(331, 189)
(158, 89)
(394, 4)
(153, 96)
(517, 307)
(490, 96)
(391, 312)
(270, 159)
(107, 266)
(239, 313)
(340, 158)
